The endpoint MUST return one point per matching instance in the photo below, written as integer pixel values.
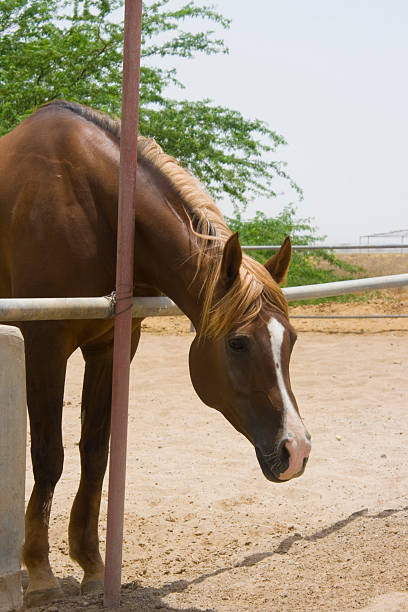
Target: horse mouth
(272, 472)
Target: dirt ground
(377, 264)
(205, 531)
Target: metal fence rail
(308, 292)
(45, 309)
(367, 316)
(325, 247)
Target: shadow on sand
(135, 597)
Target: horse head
(245, 375)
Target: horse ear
(278, 264)
(231, 261)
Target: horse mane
(252, 289)
(102, 120)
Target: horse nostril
(283, 452)
(294, 454)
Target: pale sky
(331, 77)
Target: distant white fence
(30, 309)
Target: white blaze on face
(298, 444)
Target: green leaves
(73, 49)
(48, 53)
(307, 267)
(229, 154)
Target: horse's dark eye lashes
(238, 344)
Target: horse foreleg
(46, 357)
(93, 446)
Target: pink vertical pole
(124, 293)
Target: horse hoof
(92, 587)
(42, 596)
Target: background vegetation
(57, 49)
(307, 267)
(53, 49)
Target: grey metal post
(12, 464)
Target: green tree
(307, 267)
(59, 49)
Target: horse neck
(164, 244)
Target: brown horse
(58, 221)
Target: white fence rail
(308, 292)
(45, 309)
(326, 247)
(365, 316)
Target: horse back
(58, 193)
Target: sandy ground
(377, 264)
(205, 531)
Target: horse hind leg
(46, 358)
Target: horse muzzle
(287, 461)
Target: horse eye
(239, 344)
